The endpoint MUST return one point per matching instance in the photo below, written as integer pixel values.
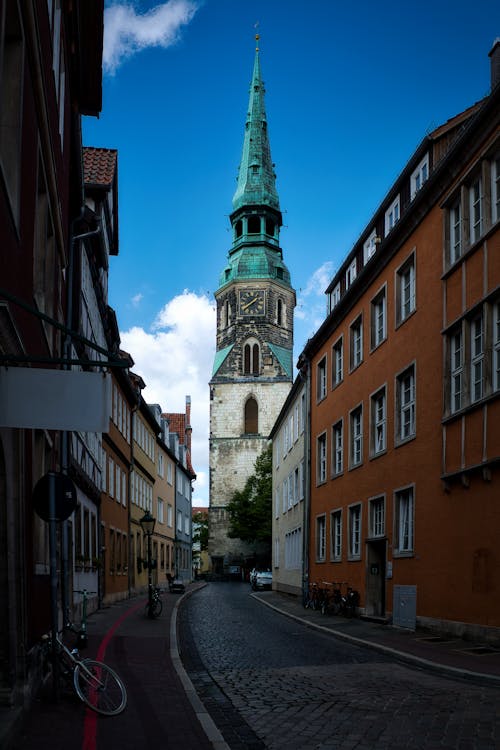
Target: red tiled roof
(99, 165)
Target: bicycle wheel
(99, 687)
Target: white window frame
(321, 458)
(378, 416)
(160, 510)
(477, 363)
(392, 215)
(496, 347)
(406, 289)
(321, 373)
(338, 362)
(356, 343)
(321, 538)
(404, 522)
(495, 188)
(455, 230)
(334, 296)
(338, 448)
(476, 217)
(406, 405)
(378, 326)
(355, 531)
(356, 437)
(336, 534)
(370, 246)
(376, 515)
(456, 344)
(419, 176)
(351, 273)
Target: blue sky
(351, 90)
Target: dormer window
(370, 246)
(350, 274)
(335, 296)
(392, 216)
(419, 176)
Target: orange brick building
(405, 392)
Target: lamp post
(148, 524)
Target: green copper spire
(256, 218)
(256, 178)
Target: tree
(250, 509)
(200, 530)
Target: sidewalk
(162, 710)
(455, 657)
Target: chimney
(495, 63)
(188, 427)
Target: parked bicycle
(312, 597)
(80, 630)
(154, 605)
(333, 601)
(94, 682)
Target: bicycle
(81, 630)
(96, 684)
(154, 605)
(312, 597)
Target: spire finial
(257, 36)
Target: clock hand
(249, 304)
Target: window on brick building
(404, 511)
(321, 538)
(355, 531)
(336, 534)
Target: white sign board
(54, 399)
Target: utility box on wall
(404, 609)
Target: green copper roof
(284, 357)
(256, 178)
(255, 262)
(219, 358)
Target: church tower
(253, 367)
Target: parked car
(263, 580)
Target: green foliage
(200, 530)
(250, 510)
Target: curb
(404, 656)
(209, 727)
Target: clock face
(252, 302)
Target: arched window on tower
(251, 358)
(254, 225)
(279, 312)
(238, 228)
(251, 417)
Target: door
(375, 577)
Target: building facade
(50, 75)
(289, 436)
(179, 435)
(405, 392)
(252, 371)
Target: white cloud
(136, 299)
(311, 305)
(175, 360)
(127, 32)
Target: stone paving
(278, 684)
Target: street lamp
(148, 524)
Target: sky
(351, 90)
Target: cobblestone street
(271, 682)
